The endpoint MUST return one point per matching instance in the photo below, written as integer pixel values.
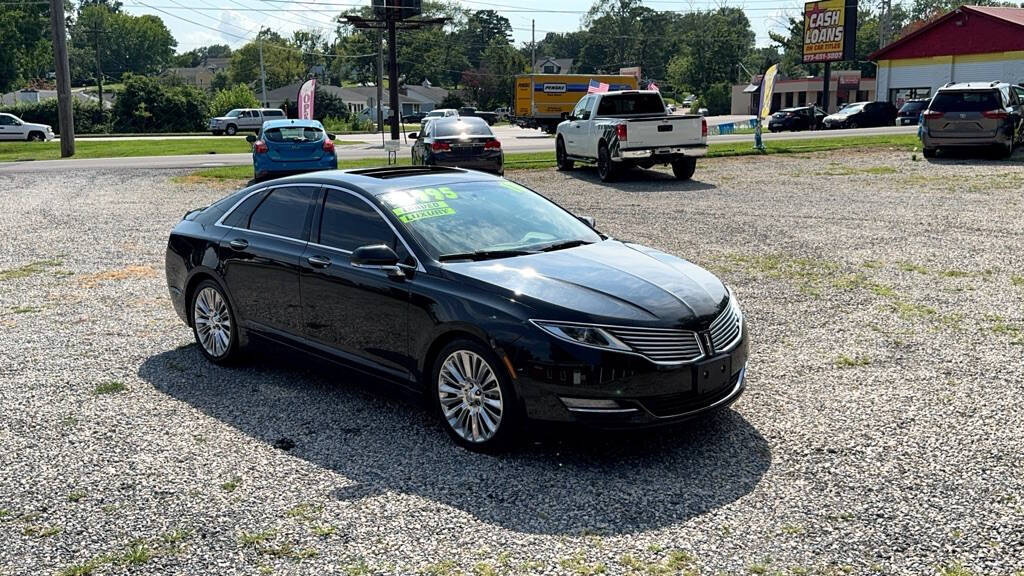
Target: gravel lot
(881, 433)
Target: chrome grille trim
(726, 330)
(662, 346)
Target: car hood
(605, 282)
(43, 127)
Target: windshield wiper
(484, 255)
(563, 245)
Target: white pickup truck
(618, 130)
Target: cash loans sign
(830, 31)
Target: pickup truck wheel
(562, 161)
(684, 168)
(606, 169)
(231, 130)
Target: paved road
(518, 140)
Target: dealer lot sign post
(830, 35)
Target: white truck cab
(617, 130)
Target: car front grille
(726, 328)
(661, 345)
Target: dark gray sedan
(461, 142)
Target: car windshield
(435, 114)
(293, 134)
(965, 101)
(851, 109)
(477, 220)
(624, 104)
(234, 114)
(464, 127)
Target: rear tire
(684, 168)
(606, 169)
(562, 161)
(473, 395)
(213, 323)
(929, 152)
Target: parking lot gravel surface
(882, 430)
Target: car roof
(383, 179)
(972, 86)
(292, 122)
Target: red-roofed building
(969, 44)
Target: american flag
(653, 86)
(596, 87)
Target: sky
(197, 23)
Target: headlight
(581, 334)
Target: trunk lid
(663, 131)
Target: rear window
(274, 113)
(623, 104)
(979, 101)
(471, 126)
(293, 134)
(911, 107)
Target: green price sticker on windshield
(414, 212)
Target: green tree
(714, 42)
(282, 61)
(124, 43)
(26, 51)
(237, 96)
(197, 56)
(482, 29)
(147, 105)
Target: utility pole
(533, 46)
(393, 103)
(66, 122)
(263, 76)
(99, 65)
(884, 22)
(380, 81)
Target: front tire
(684, 168)
(231, 130)
(562, 161)
(474, 396)
(35, 137)
(606, 169)
(213, 323)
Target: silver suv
(244, 119)
(973, 114)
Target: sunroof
(386, 172)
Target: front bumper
(615, 390)
(665, 154)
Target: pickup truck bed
(617, 130)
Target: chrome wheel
(470, 396)
(213, 321)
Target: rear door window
(285, 212)
(979, 101)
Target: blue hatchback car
(292, 147)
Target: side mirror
(251, 139)
(413, 136)
(571, 117)
(379, 257)
(588, 220)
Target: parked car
(494, 303)
(910, 112)
(862, 115)
(465, 142)
(502, 114)
(290, 147)
(973, 114)
(414, 118)
(14, 128)
(489, 117)
(244, 120)
(439, 113)
(799, 118)
(617, 130)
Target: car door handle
(239, 244)
(319, 261)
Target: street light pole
(263, 76)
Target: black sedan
(463, 142)
(492, 301)
(793, 119)
(862, 115)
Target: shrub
(146, 105)
(237, 96)
(718, 98)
